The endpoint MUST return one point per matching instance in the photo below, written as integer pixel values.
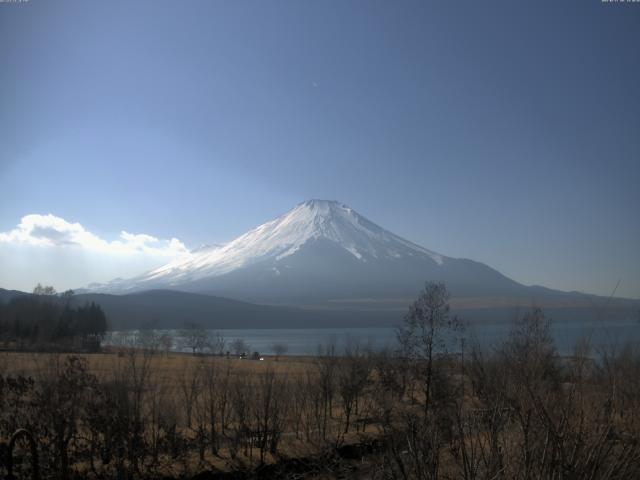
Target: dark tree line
(46, 318)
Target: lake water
(566, 335)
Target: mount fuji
(323, 253)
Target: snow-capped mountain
(319, 251)
(280, 238)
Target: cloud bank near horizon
(52, 231)
(51, 250)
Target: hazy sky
(493, 130)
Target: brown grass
(171, 366)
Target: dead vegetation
(437, 409)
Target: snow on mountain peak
(284, 236)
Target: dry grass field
(519, 411)
(188, 403)
(170, 367)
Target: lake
(602, 334)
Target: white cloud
(52, 231)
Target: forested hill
(42, 320)
(173, 309)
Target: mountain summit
(320, 251)
(310, 221)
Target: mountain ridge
(310, 227)
(324, 253)
(171, 309)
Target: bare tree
(148, 339)
(353, 372)
(326, 365)
(216, 384)
(269, 412)
(415, 438)
(191, 388)
(195, 338)
(279, 349)
(217, 343)
(240, 347)
(427, 332)
(166, 342)
(63, 388)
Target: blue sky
(500, 131)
